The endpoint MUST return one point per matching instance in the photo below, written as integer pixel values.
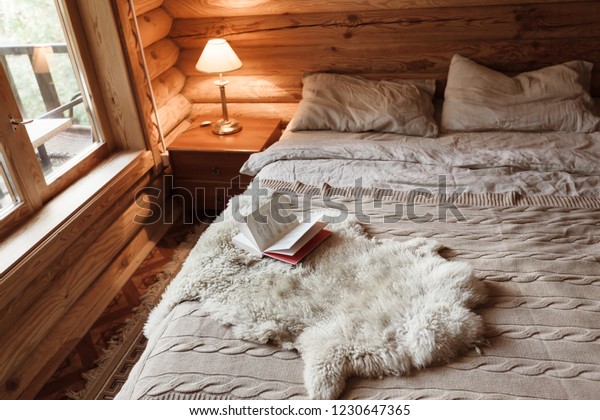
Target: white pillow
(554, 98)
(354, 104)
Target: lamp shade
(218, 57)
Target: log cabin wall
(280, 40)
(51, 297)
(161, 55)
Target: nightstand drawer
(213, 166)
(206, 167)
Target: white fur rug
(355, 306)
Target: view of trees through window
(44, 76)
(36, 23)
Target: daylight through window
(45, 77)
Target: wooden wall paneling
(161, 56)
(154, 26)
(273, 88)
(168, 84)
(69, 255)
(18, 380)
(61, 293)
(174, 112)
(279, 41)
(509, 56)
(228, 8)
(17, 277)
(183, 126)
(22, 337)
(530, 21)
(285, 111)
(28, 379)
(143, 6)
(408, 59)
(135, 64)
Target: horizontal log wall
(65, 284)
(161, 55)
(167, 85)
(143, 6)
(280, 40)
(226, 8)
(50, 298)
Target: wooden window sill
(26, 252)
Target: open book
(273, 230)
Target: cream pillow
(554, 98)
(354, 104)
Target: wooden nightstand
(207, 165)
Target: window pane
(47, 83)
(8, 198)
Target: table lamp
(219, 57)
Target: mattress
(521, 208)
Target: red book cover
(302, 252)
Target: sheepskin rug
(355, 306)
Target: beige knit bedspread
(539, 259)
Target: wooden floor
(68, 378)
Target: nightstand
(207, 165)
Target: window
(8, 196)
(49, 134)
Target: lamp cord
(147, 76)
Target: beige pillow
(554, 98)
(354, 104)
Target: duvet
(522, 208)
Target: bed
(520, 207)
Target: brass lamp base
(224, 127)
